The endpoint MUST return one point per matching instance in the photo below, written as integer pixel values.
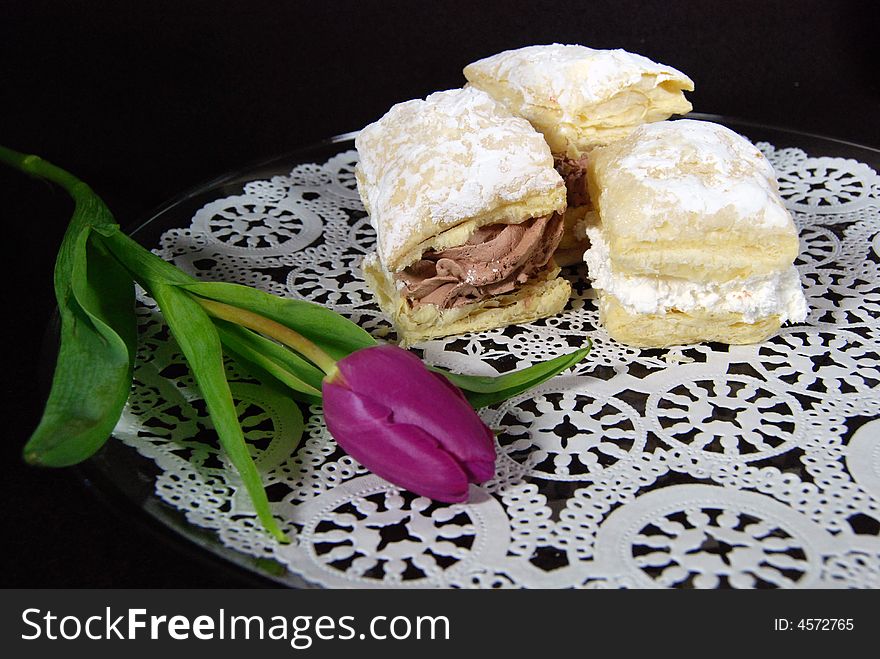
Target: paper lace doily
(703, 466)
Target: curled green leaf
(93, 371)
(482, 390)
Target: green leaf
(270, 359)
(482, 390)
(146, 267)
(93, 371)
(334, 334)
(199, 341)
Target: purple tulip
(407, 424)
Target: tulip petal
(446, 383)
(480, 468)
(398, 380)
(401, 453)
(479, 471)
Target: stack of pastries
(554, 154)
(693, 242)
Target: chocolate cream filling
(574, 173)
(496, 259)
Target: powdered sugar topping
(702, 167)
(573, 76)
(431, 164)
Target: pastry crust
(580, 97)
(674, 327)
(574, 238)
(690, 199)
(543, 296)
(433, 171)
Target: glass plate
(123, 475)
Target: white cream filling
(753, 297)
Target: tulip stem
(271, 329)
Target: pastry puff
(690, 199)
(432, 172)
(693, 242)
(580, 98)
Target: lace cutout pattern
(705, 466)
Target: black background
(145, 99)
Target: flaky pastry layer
(580, 97)
(574, 240)
(660, 330)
